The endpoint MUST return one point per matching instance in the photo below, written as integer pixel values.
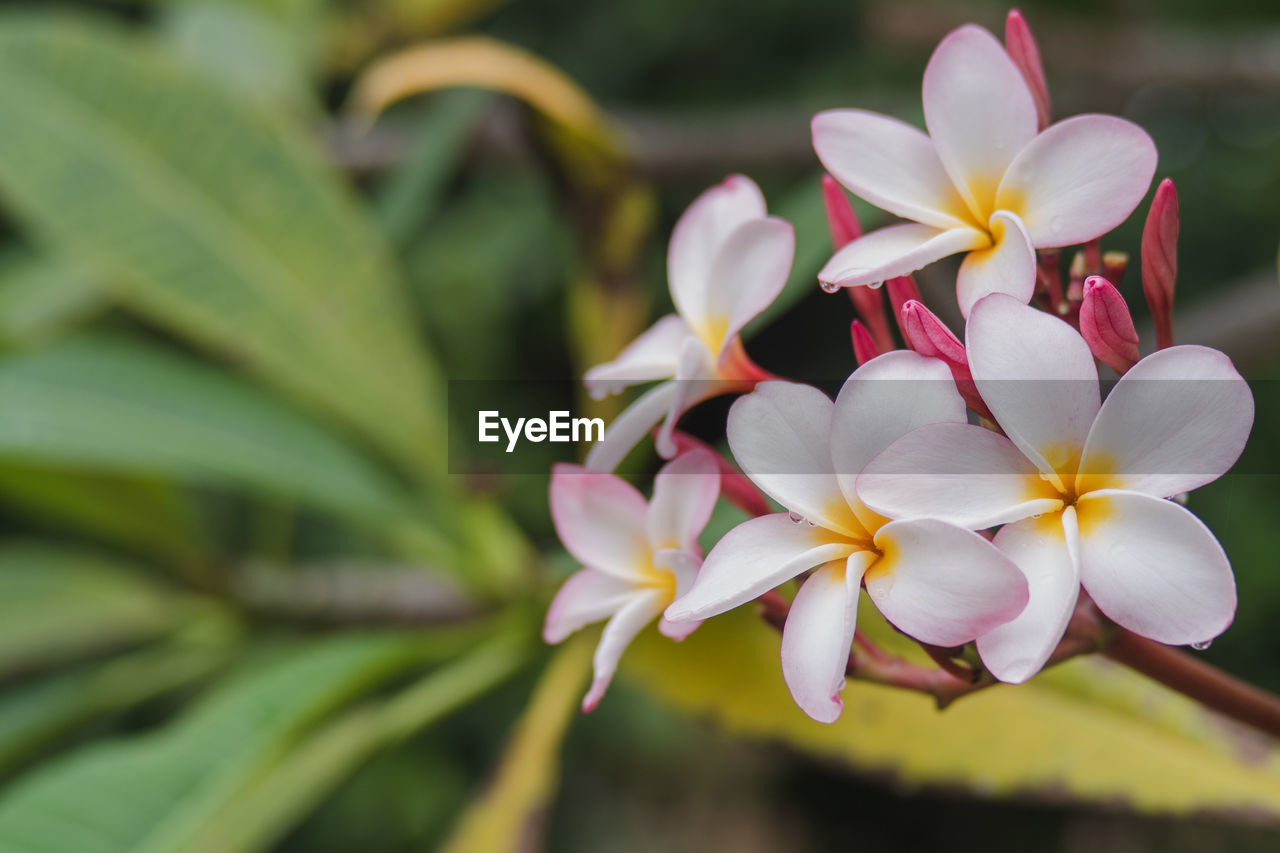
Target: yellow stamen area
(885, 563)
(713, 330)
(652, 577)
(1092, 511)
(850, 521)
(1098, 472)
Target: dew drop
(828, 286)
(795, 517)
(1038, 515)
(1202, 646)
(811, 523)
(1180, 498)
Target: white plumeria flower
(637, 555)
(727, 261)
(983, 181)
(935, 581)
(1079, 484)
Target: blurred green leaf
(1087, 730)
(145, 515)
(151, 794)
(505, 819)
(40, 299)
(220, 220)
(58, 605)
(124, 407)
(282, 795)
(411, 192)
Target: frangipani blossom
(727, 261)
(983, 181)
(935, 581)
(637, 555)
(1080, 484)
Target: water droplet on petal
(1038, 515)
(795, 517)
(1181, 498)
(1202, 646)
(829, 286)
(811, 523)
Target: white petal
(628, 428)
(748, 274)
(941, 584)
(600, 520)
(1079, 179)
(1178, 419)
(587, 596)
(979, 112)
(882, 401)
(752, 559)
(896, 250)
(958, 473)
(684, 493)
(695, 381)
(780, 435)
(617, 635)
(699, 236)
(651, 356)
(818, 634)
(1008, 267)
(1154, 568)
(1017, 650)
(890, 164)
(1037, 376)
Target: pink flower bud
(1107, 326)
(1160, 260)
(928, 335)
(1021, 46)
(841, 218)
(864, 348)
(901, 291)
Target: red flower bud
(1021, 47)
(901, 291)
(1160, 260)
(1107, 326)
(845, 228)
(928, 335)
(734, 485)
(864, 348)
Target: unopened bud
(1114, 265)
(1075, 278)
(1107, 326)
(841, 218)
(928, 335)
(1022, 49)
(864, 347)
(1160, 260)
(901, 291)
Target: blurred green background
(244, 604)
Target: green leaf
(40, 299)
(124, 407)
(1087, 730)
(221, 220)
(277, 799)
(149, 794)
(58, 605)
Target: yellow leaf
(1088, 730)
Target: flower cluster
(979, 490)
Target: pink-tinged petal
(781, 436)
(748, 274)
(1079, 179)
(962, 474)
(642, 609)
(699, 236)
(734, 485)
(1021, 45)
(587, 596)
(942, 584)
(684, 493)
(653, 355)
(818, 634)
(1107, 326)
(600, 519)
(979, 112)
(1008, 267)
(890, 164)
(752, 559)
(896, 251)
(1017, 650)
(695, 382)
(1154, 568)
(683, 566)
(628, 428)
(1177, 420)
(884, 400)
(1037, 376)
